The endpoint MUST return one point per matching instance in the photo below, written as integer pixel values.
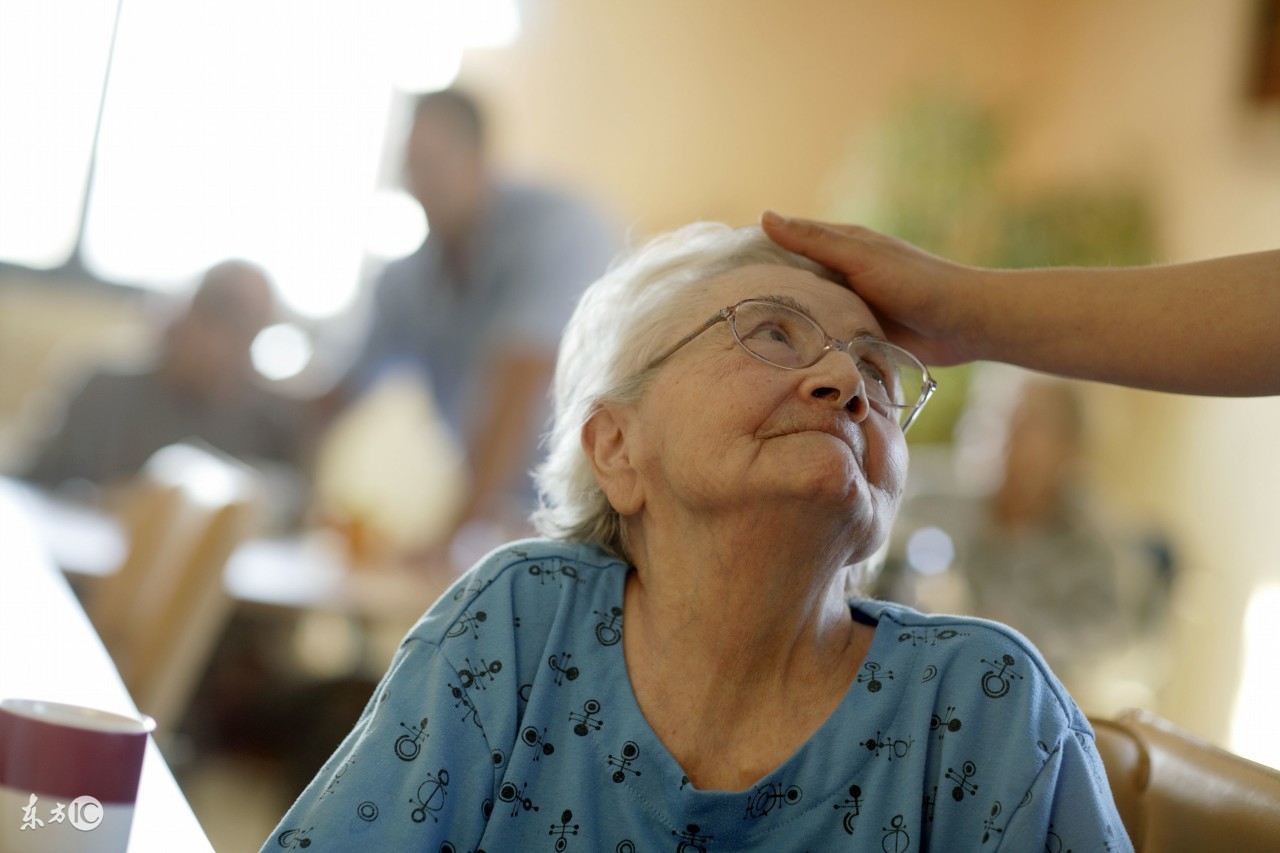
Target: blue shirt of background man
(525, 266)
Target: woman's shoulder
(518, 580)
(963, 655)
(543, 562)
(934, 625)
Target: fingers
(833, 245)
(921, 301)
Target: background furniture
(1177, 792)
(162, 613)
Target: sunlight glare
(396, 225)
(233, 129)
(930, 551)
(430, 37)
(1253, 727)
(281, 351)
(52, 60)
(426, 47)
(490, 23)
(239, 129)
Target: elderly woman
(728, 446)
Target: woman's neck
(742, 597)
(724, 633)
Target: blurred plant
(929, 175)
(933, 173)
(1079, 227)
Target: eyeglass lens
(787, 338)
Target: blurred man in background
(201, 385)
(476, 312)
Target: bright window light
(430, 36)
(489, 23)
(254, 129)
(1253, 727)
(930, 551)
(53, 60)
(425, 51)
(239, 129)
(395, 225)
(281, 351)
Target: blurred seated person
(477, 311)
(201, 384)
(1035, 552)
(679, 663)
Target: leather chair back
(1177, 792)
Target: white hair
(617, 329)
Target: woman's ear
(605, 440)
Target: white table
(308, 571)
(49, 650)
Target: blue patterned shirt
(507, 722)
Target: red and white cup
(68, 776)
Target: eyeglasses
(897, 383)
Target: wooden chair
(147, 509)
(1177, 792)
(163, 612)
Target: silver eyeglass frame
(729, 313)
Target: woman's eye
(879, 380)
(771, 334)
(871, 373)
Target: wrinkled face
(718, 429)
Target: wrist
(1021, 316)
(981, 321)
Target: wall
(714, 109)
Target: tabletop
(310, 570)
(49, 650)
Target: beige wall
(718, 108)
(714, 109)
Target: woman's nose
(835, 380)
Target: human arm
(1206, 327)
(504, 429)
(1069, 804)
(390, 331)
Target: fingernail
(773, 218)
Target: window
(53, 61)
(260, 129)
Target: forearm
(504, 430)
(1208, 327)
(495, 460)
